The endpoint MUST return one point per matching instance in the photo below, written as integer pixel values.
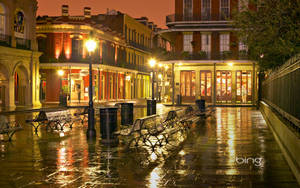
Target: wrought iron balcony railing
(5, 40)
(23, 43)
(139, 46)
(226, 55)
(196, 18)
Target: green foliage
(272, 32)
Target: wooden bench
(9, 127)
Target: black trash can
(151, 107)
(201, 105)
(63, 100)
(108, 125)
(178, 100)
(126, 113)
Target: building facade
(120, 68)
(210, 62)
(19, 58)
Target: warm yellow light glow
(128, 78)
(166, 67)
(152, 62)
(160, 76)
(60, 72)
(180, 64)
(160, 65)
(90, 45)
(230, 64)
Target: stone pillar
(214, 85)
(198, 85)
(10, 92)
(233, 86)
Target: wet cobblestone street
(233, 149)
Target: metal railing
(139, 46)
(24, 44)
(205, 17)
(226, 55)
(281, 90)
(105, 61)
(5, 40)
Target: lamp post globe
(91, 45)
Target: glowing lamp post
(91, 45)
(152, 63)
(61, 96)
(151, 104)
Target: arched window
(2, 19)
(19, 24)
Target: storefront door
(187, 86)
(243, 87)
(205, 85)
(224, 89)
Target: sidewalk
(139, 103)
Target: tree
(271, 32)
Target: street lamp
(61, 99)
(152, 63)
(91, 45)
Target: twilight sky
(155, 10)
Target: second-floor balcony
(21, 43)
(201, 55)
(96, 60)
(203, 18)
(139, 46)
(5, 40)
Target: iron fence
(281, 90)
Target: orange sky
(155, 10)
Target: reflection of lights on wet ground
(182, 153)
(153, 156)
(155, 177)
(2, 148)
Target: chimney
(65, 10)
(87, 12)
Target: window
(224, 9)
(206, 43)
(224, 42)
(188, 9)
(2, 19)
(129, 34)
(243, 46)
(205, 10)
(187, 42)
(125, 32)
(260, 4)
(243, 5)
(19, 22)
(77, 48)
